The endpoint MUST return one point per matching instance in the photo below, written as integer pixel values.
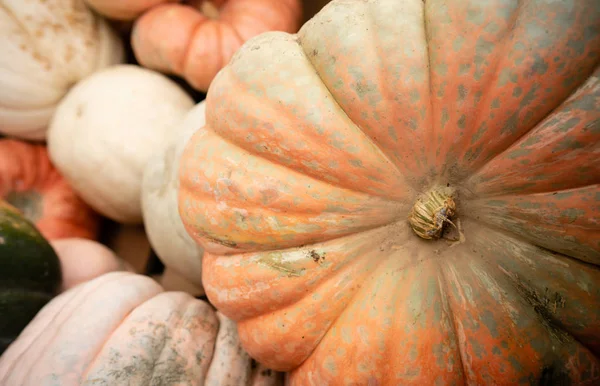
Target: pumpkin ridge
(314, 176)
(509, 263)
(273, 158)
(377, 239)
(567, 99)
(33, 341)
(96, 287)
(521, 238)
(444, 289)
(63, 316)
(375, 144)
(486, 98)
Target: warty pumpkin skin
(31, 183)
(123, 329)
(302, 183)
(160, 186)
(196, 39)
(30, 273)
(47, 46)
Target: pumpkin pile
(208, 193)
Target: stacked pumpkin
(84, 121)
(402, 192)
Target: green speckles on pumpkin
(568, 144)
(517, 91)
(475, 16)
(415, 96)
(572, 214)
(441, 69)
(507, 75)
(356, 163)
(496, 203)
(529, 205)
(392, 133)
(461, 122)
(539, 66)
(480, 131)
(458, 43)
(512, 124)
(445, 117)
(412, 123)
(464, 68)
(518, 153)
(530, 96)
(462, 92)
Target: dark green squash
(30, 273)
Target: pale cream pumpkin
(47, 46)
(123, 329)
(106, 129)
(165, 230)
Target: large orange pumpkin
(408, 192)
(30, 182)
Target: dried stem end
(431, 212)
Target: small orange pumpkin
(195, 40)
(29, 182)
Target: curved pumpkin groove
(366, 91)
(490, 90)
(310, 138)
(58, 303)
(562, 152)
(565, 222)
(558, 287)
(449, 107)
(273, 206)
(267, 276)
(493, 320)
(416, 321)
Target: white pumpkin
(169, 239)
(106, 129)
(46, 46)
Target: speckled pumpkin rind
(301, 183)
(123, 329)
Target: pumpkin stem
(432, 211)
(209, 10)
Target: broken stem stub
(432, 211)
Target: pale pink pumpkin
(123, 329)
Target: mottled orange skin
(53, 206)
(181, 40)
(301, 182)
